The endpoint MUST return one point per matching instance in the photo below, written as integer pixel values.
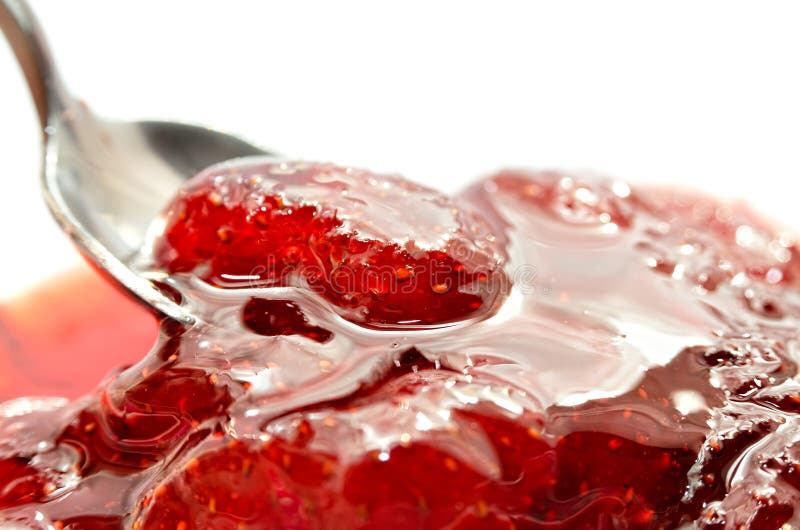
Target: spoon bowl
(106, 181)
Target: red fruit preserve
(542, 351)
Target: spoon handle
(22, 30)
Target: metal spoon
(105, 181)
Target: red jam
(542, 351)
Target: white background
(704, 93)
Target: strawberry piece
(133, 429)
(236, 485)
(21, 483)
(280, 317)
(419, 479)
(603, 468)
(306, 225)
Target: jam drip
(544, 351)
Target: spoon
(105, 181)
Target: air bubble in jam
(542, 351)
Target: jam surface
(542, 351)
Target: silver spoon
(105, 181)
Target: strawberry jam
(542, 351)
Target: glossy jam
(542, 351)
(348, 236)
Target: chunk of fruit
(136, 423)
(382, 250)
